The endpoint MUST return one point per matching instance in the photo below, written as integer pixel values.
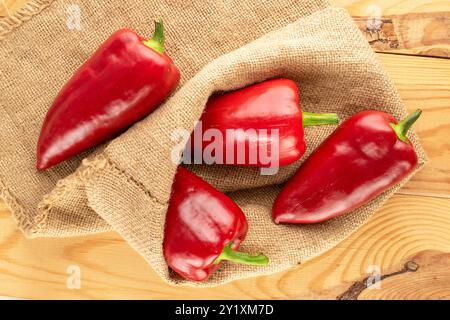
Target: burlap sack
(219, 46)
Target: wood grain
(425, 34)
(418, 28)
(425, 83)
(406, 226)
(431, 280)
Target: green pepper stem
(317, 119)
(241, 257)
(403, 126)
(157, 41)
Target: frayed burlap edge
(7, 25)
(31, 228)
(22, 15)
(22, 220)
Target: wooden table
(407, 241)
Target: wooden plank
(419, 28)
(406, 228)
(425, 83)
(425, 34)
(425, 276)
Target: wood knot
(411, 266)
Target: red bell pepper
(122, 82)
(203, 228)
(366, 155)
(266, 106)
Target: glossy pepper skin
(203, 228)
(365, 156)
(272, 104)
(122, 82)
